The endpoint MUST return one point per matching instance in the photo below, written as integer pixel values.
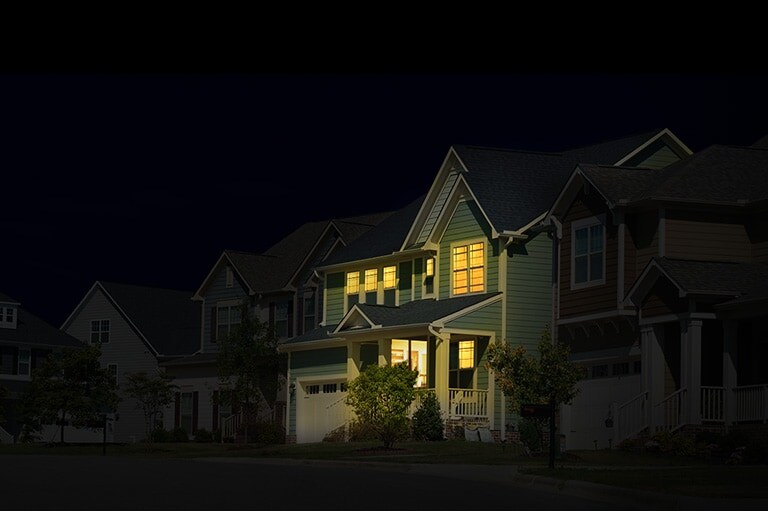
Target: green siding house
(466, 265)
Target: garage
(320, 408)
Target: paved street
(96, 483)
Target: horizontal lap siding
(663, 299)
(706, 237)
(644, 231)
(405, 282)
(334, 298)
(597, 298)
(662, 157)
(529, 291)
(467, 224)
(218, 291)
(758, 235)
(126, 349)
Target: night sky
(147, 178)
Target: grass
(646, 471)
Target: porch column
(385, 352)
(730, 361)
(441, 374)
(353, 360)
(690, 369)
(652, 367)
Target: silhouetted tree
(152, 394)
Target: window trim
(228, 304)
(425, 276)
(577, 225)
(468, 243)
(100, 332)
(5, 311)
(28, 362)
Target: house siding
(329, 361)
(437, 207)
(597, 298)
(334, 298)
(218, 291)
(643, 230)
(706, 236)
(659, 158)
(467, 223)
(405, 282)
(126, 349)
(757, 228)
(529, 293)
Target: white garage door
(320, 409)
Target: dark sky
(146, 178)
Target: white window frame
(100, 331)
(394, 287)
(586, 223)
(424, 277)
(5, 311)
(227, 304)
(468, 244)
(229, 277)
(347, 294)
(28, 351)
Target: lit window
(466, 354)
(469, 268)
(588, 252)
(415, 353)
(430, 270)
(353, 282)
(100, 331)
(429, 276)
(370, 280)
(390, 273)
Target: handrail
(5, 437)
(631, 418)
(674, 407)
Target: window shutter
(194, 411)
(177, 411)
(213, 324)
(215, 424)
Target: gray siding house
(25, 340)
(138, 327)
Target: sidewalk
(509, 475)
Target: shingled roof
(168, 319)
(32, 330)
(384, 239)
(418, 312)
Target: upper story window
(227, 318)
(429, 276)
(588, 253)
(468, 268)
(7, 317)
(390, 283)
(353, 288)
(309, 311)
(284, 318)
(371, 285)
(100, 331)
(230, 277)
(25, 361)
(461, 364)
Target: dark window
(100, 331)
(600, 371)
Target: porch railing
(230, 425)
(713, 404)
(631, 418)
(751, 403)
(673, 407)
(468, 403)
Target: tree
(152, 394)
(428, 419)
(70, 385)
(549, 378)
(380, 397)
(249, 366)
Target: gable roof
(167, 320)
(735, 280)
(274, 269)
(717, 175)
(384, 239)
(4, 298)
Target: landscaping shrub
(203, 436)
(361, 432)
(179, 435)
(531, 434)
(161, 435)
(427, 422)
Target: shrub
(179, 435)
(264, 432)
(203, 436)
(427, 423)
(160, 434)
(361, 432)
(531, 434)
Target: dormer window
(7, 316)
(100, 331)
(353, 288)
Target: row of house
(649, 261)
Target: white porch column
(690, 368)
(441, 374)
(353, 360)
(730, 361)
(652, 366)
(385, 352)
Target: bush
(203, 436)
(264, 432)
(161, 435)
(179, 435)
(531, 434)
(217, 435)
(362, 432)
(427, 423)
